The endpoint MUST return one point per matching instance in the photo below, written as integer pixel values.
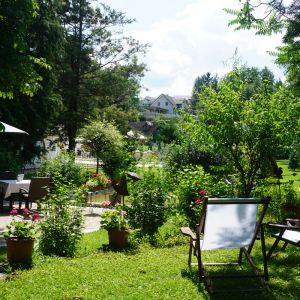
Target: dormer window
(167, 103)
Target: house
(164, 104)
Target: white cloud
(194, 41)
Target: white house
(164, 104)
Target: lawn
(146, 273)
(289, 174)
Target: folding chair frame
(292, 224)
(195, 245)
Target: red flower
(25, 211)
(94, 175)
(14, 212)
(198, 201)
(202, 192)
(35, 216)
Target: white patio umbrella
(10, 129)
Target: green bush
(188, 184)
(65, 165)
(168, 235)
(61, 228)
(147, 211)
(281, 193)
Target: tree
(17, 59)
(44, 35)
(200, 83)
(108, 145)
(277, 16)
(96, 56)
(248, 132)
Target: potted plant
(97, 182)
(20, 235)
(116, 223)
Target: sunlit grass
(146, 273)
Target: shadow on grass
(130, 249)
(230, 286)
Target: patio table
(9, 187)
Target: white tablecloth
(13, 186)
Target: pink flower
(95, 175)
(35, 216)
(25, 211)
(202, 192)
(14, 212)
(106, 203)
(198, 201)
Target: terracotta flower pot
(118, 238)
(19, 251)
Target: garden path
(91, 221)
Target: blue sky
(189, 38)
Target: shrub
(61, 229)
(65, 165)
(147, 211)
(294, 160)
(189, 183)
(168, 235)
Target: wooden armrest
(188, 232)
(280, 226)
(296, 222)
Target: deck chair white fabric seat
(228, 223)
(289, 233)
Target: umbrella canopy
(10, 129)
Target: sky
(189, 38)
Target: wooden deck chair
(38, 189)
(229, 223)
(289, 233)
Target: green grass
(146, 273)
(289, 174)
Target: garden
(228, 147)
(130, 226)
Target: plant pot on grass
(20, 236)
(19, 251)
(118, 238)
(115, 222)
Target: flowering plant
(114, 219)
(98, 180)
(196, 205)
(23, 225)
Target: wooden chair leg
(190, 254)
(284, 246)
(240, 256)
(272, 248)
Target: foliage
(114, 219)
(107, 144)
(9, 161)
(166, 131)
(201, 82)
(193, 146)
(294, 160)
(23, 226)
(18, 63)
(65, 165)
(98, 180)
(248, 132)
(147, 211)
(189, 183)
(281, 193)
(168, 235)
(99, 62)
(61, 228)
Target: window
(167, 103)
(158, 104)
